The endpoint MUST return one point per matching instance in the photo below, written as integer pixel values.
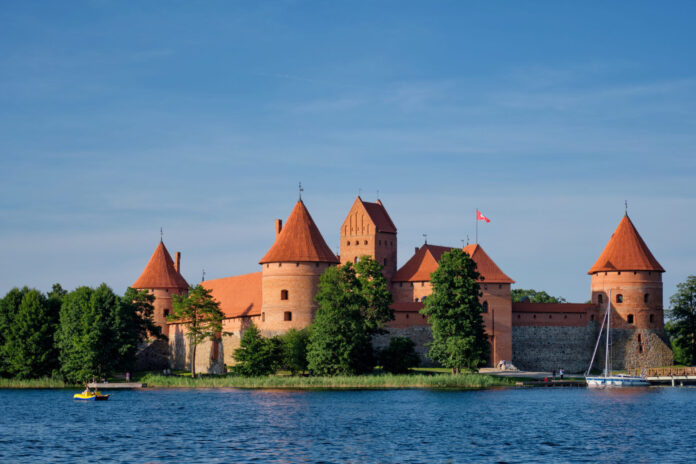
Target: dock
(116, 385)
(676, 376)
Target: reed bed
(44, 382)
(459, 381)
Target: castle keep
(533, 336)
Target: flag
(481, 217)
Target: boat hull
(616, 381)
(83, 397)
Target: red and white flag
(481, 217)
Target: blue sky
(119, 118)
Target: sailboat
(607, 379)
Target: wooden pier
(667, 375)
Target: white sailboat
(607, 379)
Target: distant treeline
(72, 335)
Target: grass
(337, 382)
(44, 382)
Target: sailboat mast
(606, 351)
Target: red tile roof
(160, 272)
(626, 251)
(299, 240)
(525, 307)
(379, 216)
(425, 261)
(239, 295)
(486, 266)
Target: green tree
(29, 347)
(86, 338)
(373, 287)
(339, 342)
(399, 356)
(9, 305)
(134, 324)
(293, 345)
(534, 296)
(454, 312)
(256, 355)
(202, 316)
(682, 324)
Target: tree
(682, 323)
(86, 337)
(293, 344)
(454, 312)
(29, 347)
(256, 355)
(134, 324)
(534, 296)
(378, 299)
(9, 305)
(202, 316)
(399, 356)
(340, 342)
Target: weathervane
(360, 191)
(626, 207)
(203, 276)
(161, 235)
(301, 190)
(425, 237)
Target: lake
(400, 426)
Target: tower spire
(161, 235)
(301, 190)
(626, 207)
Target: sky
(200, 118)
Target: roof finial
(203, 276)
(301, 190)
(161, 235)
(378, 194)
(425, 237)
(626, 207)
(360, 192)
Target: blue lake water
(400, 426)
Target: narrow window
(357, 242)
(401, 284)
(592, 317)
(485, 306)
(297, 264)
(385, 261)
(519, 317)
(316, 264)
(534, 316)
(646, 297)
(500, 286)
(618, 273)
(280, 264)
(287, 316)
(365, 242)
(630, 318)
(166, 313)
(355, 259)
(348, 243)
(550, 316)
(640, 348)
(565, 316)
(485, 286)
(652, 318)
(411, 284)
(283, 294)
(407, 316)
(640, 339)
(263, 317)
(422, 284)
(619, 298)
(600, 298)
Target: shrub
(399, 356)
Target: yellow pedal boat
(91, 396)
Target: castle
(534, 336)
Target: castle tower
(162, 278)
(368, 230)
(290, 273)
(628, 269)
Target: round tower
(629, 274)
(291, 271)
(161, 277)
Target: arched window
(485, 306)
(600, 298)
(283, 294)
(630, 318)
(287, 316)
(652, 318)
(365, 242)
(357, 242)
(619, 298)
(348, 243)
(646, 297)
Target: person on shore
(560, 372)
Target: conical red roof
(160, 272)
(626, 251)
(427, 259)
(299, 240)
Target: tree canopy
(202, 316)
(340, 341)
(534, 296)
(454, 312)
(377, 310)
(682, 324)
(256, 355)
